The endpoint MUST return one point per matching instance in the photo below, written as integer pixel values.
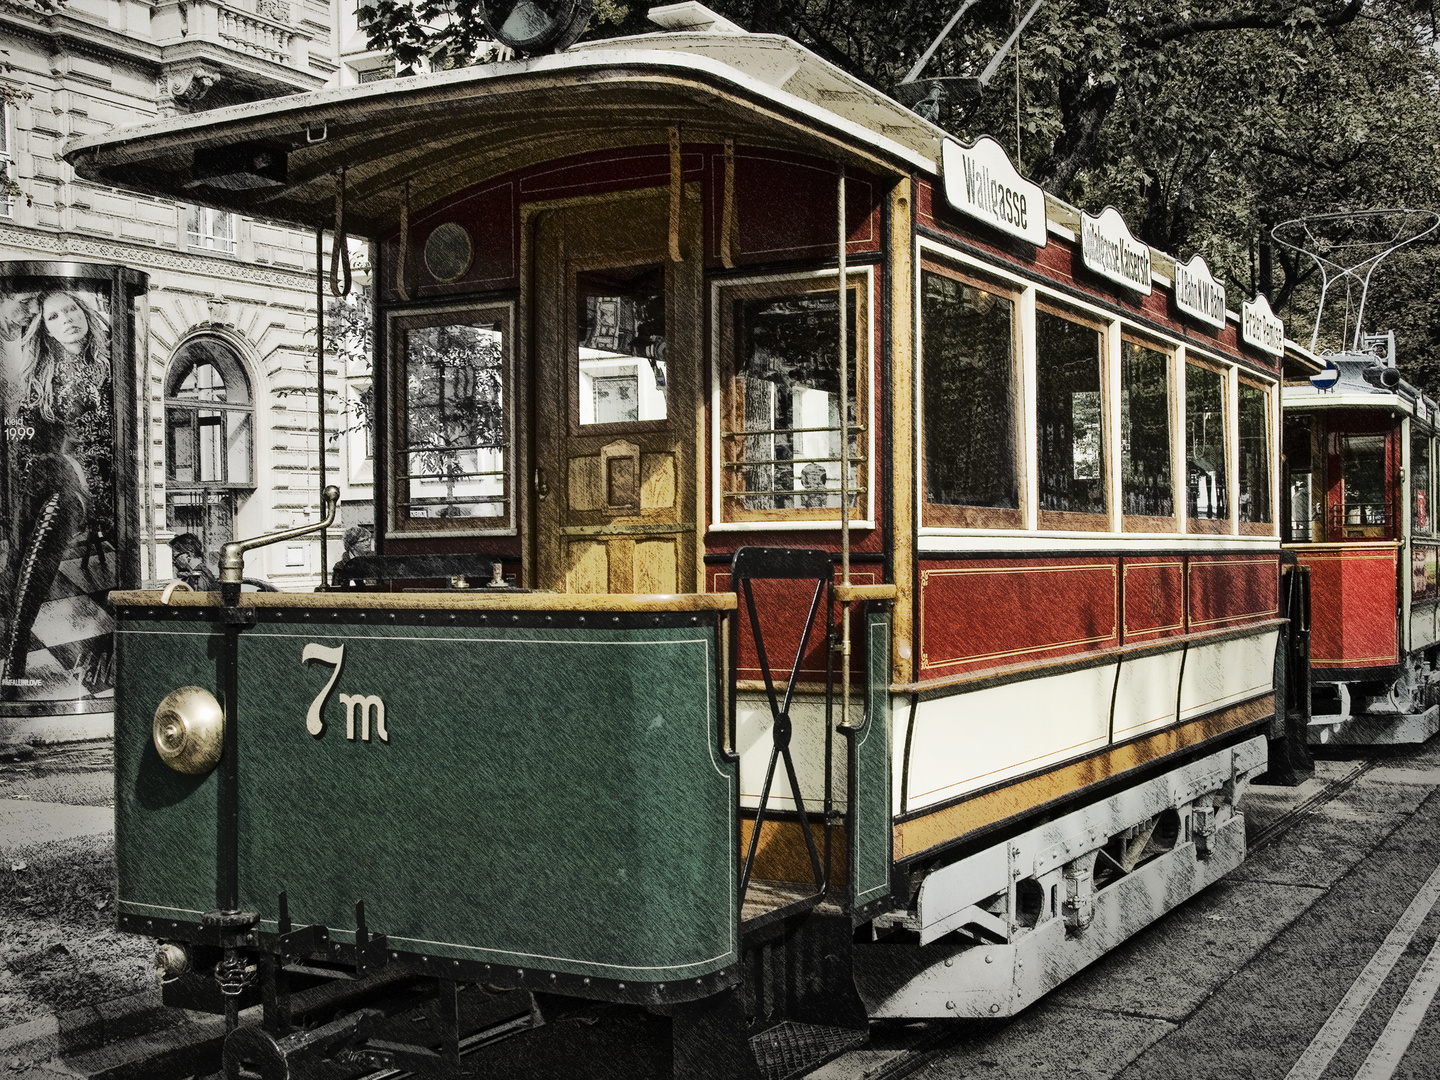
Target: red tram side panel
(1353, 597)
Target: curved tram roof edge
(380, 122)
(448, 131)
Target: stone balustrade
(184, 24)
(254, 35)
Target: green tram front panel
(544, 791)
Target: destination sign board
(1197, 293)
(1109, 250)
(981, 182)
(1260, 327)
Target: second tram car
(818, 577)
(1358, 454)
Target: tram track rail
(1332, 790)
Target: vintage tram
(818, 577)
(1358, 444)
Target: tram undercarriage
(1403, 711)
(990, 934)
(984, 937)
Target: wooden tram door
(618, 341)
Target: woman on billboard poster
(58, 481)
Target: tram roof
(446, 131)
(1353, 389)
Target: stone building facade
(232, 301)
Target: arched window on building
(209, 441)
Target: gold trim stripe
(975, 658)
(1351, 661)
(1011, 800)
(1349, 545)
(1345, 556)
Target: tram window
(620, 330)
(1362, 461)
(1420, 505)
(1254, 480)
(454, 424)
(1146, 487)
(1207, 484)
(968, 404)
(1069, 361)
(782, 442)
(1304, 480)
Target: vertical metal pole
(137, 306)
(230, 808)
(320, 389)
(842, 240)
(844, 389)
(230, 775)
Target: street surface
(1317, 960)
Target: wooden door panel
(657, 481)
(587, 567)
(622, 448)
(655, 566)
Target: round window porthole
(448, 252)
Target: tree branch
(1250, 20)
(1083, 109)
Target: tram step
(791, 1049)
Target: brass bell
(189, 730)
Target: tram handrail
(232, 555)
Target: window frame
(1338, 505)
(1316, 510)
(945, 516)
(1073, 520)
(1043, 528)
(1271, 391)
(228, 357)
(1174, 357)
(203, 239)
(573, 372)
(397, 321)
(860, 282)
(1229, 406)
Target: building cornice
(64, 31)
(144, 257)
